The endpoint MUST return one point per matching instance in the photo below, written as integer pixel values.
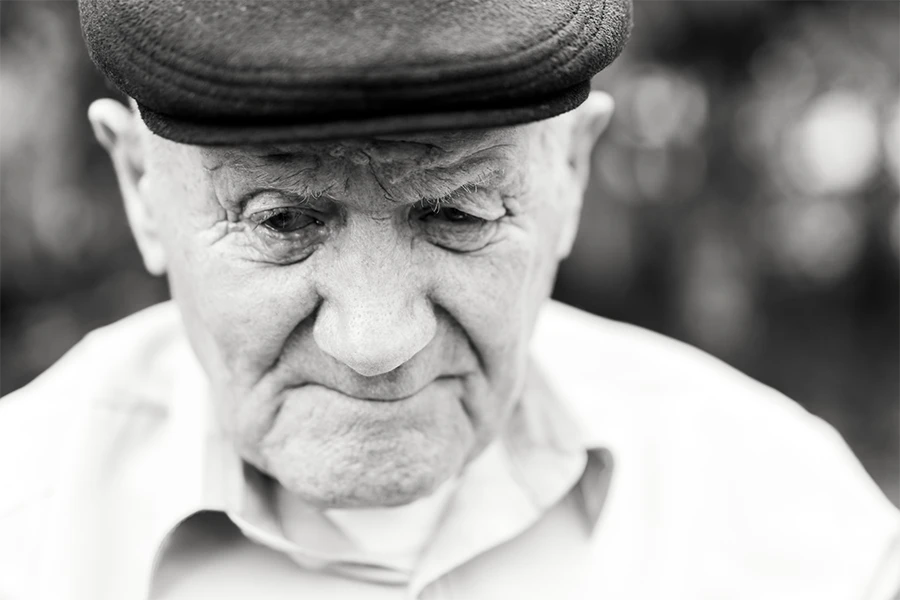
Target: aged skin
(362, 308)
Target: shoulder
(608, 371)
(634, 376)
(112, 374)
(741, 469)
(611, 370)
(119, 363)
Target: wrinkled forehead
(420, 151)
(403, 165)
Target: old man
(360, 388)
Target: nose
(375, 314)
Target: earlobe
(566, 239)
(114, 127)
(145, 227)
(588, 122)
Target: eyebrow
(463, 178)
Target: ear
(115, 127)
(587, 123)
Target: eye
(454, 229)
(286, 220)
(450, 215)
(282, 229)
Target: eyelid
(267, 213)
(489, 211)
(279, 199)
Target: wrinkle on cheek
(218, 232)
(224, 219)
(516, 203)
(493, 281)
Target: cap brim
(224, 133)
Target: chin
(368, 477)
(376, 494)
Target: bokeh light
(835, 146)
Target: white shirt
(673, 477)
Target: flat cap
(213, 72)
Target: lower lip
(333, 392)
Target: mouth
(384, 393)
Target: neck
(400, 531)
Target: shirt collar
(143, 464)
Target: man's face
(363, 308)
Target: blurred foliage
(744, 200)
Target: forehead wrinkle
(490, 158)
(450, 153)
(410, 168)
(239, 159)
(439, 171)
(423, 149)
(300, 172)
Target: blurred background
(745, 200)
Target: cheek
(241, 320)
(495, 297)
(238, 316)
(237, 312)
(250, 312)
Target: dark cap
(266, 71)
